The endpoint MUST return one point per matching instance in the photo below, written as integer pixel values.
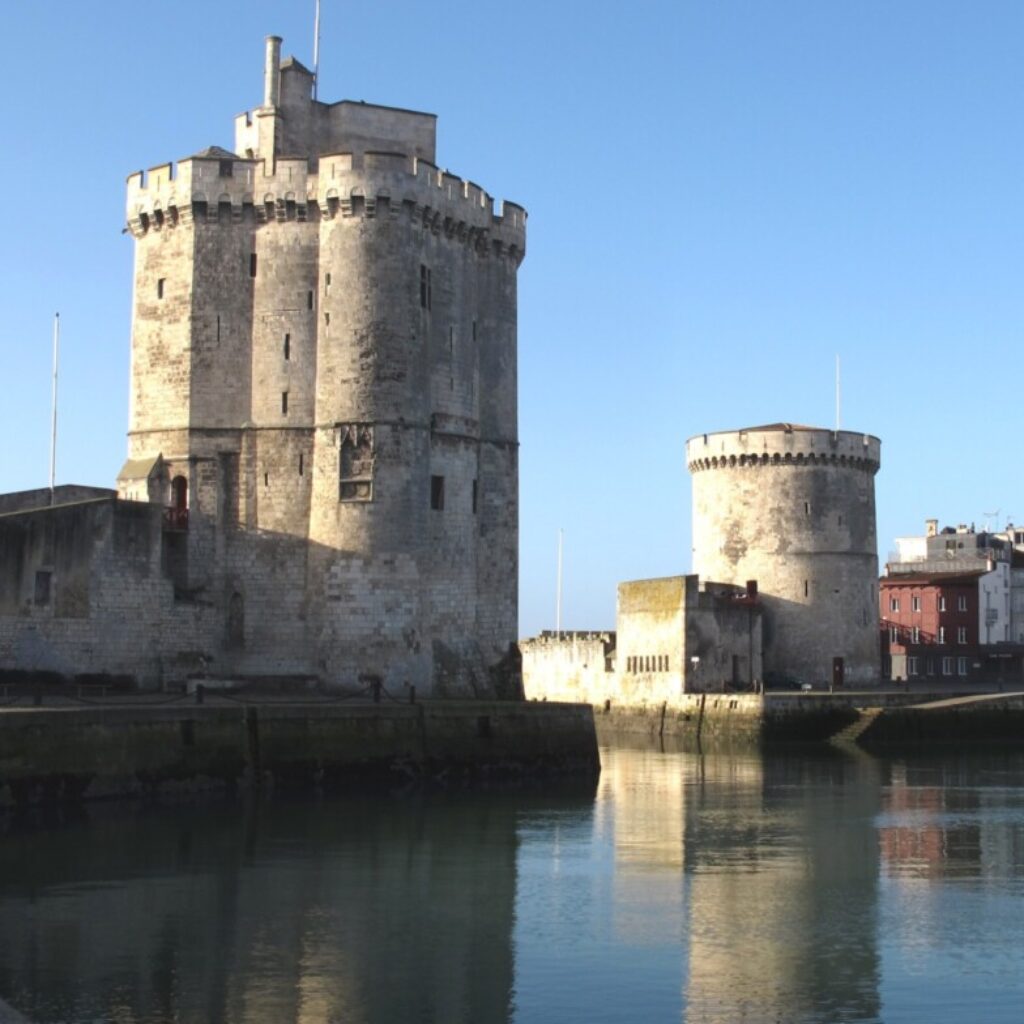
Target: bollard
(200, 693)
(412, 694)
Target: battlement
(338, 184)
(783, 444)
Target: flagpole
(53, 427)
(558, 595)
(316, 49)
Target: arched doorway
(179, 503)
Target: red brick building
(931, 628)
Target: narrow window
(894, 604)
(425, 287)
(476, 492)
(252, 264)
(942, 604)
(915, 604)
(807, 508)
(961, 634)
(451, 342)
(437, 492)
(961, 603)
(806, 588)
(915, 635)
(942, 634)
(309, 300)
(327, 280)
(947, 666)
(266, 479)
(961, 666)
(327, 319)
(160, 287)
(300, 463)
(42, 587)
(284, 403)
(287, 347)
(894, 634)
(474, 330)
(218, 330)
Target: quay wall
(53, 754)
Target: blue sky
(723, 196)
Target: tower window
(42, 586)
(327, 318)
(474, 330)
(437, 492)
(284, 403)
(252, 264)
(327, 280)
(425, 287)
(301, 463)
(356, 467)
(807, 587)
(476, 492)
(160, 287)
(807, 508)
(287, 347)
(309, 300)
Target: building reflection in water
(355, 911)
(767, 868)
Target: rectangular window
(356, 469)
(309, 300)
(942, 604)
(911, 666)
(474, 330)
(426, 288)
(287, 347)
(942, 634)
(806, 587)
(961, 634)
(301, 464)
(252, 264)
(42, 587)
(476, 491)
(894, 604)
(327, 280)
(437, 492)
(915, 635)
(227, 169)
(961, 603)
(894, 634)
(961, 666)
(284, 403)
(930, 666)
(915, 604)
(327, 319)
(807, 508)
(947, 666)
(160, 287)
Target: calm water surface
(715, 888)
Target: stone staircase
(853, 732)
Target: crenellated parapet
(783, 445)
(367, 184)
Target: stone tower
(794, 509)
(324, 361)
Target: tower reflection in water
(768, 868)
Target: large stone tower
(324, 361)
(794, 508)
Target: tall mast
(558, 590)
(316, 49)
(53, 427)
(837, 393)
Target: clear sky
(723, 196)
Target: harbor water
(683, 887)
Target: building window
(961, 666)
(476, 495)
(894, 604)
(227, 169)
(942, 604)
(911, 666)
(474, 330)
(42, 587)
(930, 666)
(356, 462)
(947, 666)
(806, 587)
(942, 634)
(915, 604)
(961, 603)
(161, 282)
(437, 493)
(287, 347)
(252, 264)
(961, 634)
(807, 508)
(915, 634)
(894, 634)
(309, 300)
(426, 288)
(284, 403)
(301, 463)
(327, 280)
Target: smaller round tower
(793, 508)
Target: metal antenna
(558, 590)
(316, 49)
(53, 427)
(837, 394)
